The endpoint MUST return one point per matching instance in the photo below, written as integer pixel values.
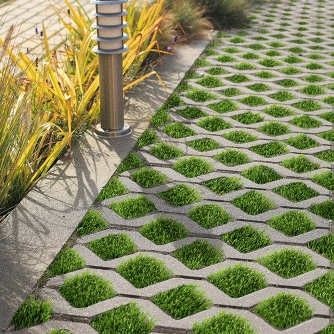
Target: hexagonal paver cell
(292, 223)
(112, 246)
(231, 157)
(164, 151)
(198, 254)
(253, 203)
(223, 185)
(125, 319)
(324, 209)
(238, 280)
(133, 207)
(296, 191)
(300, 164)
(192, 167)
(209, 215)
(246, 239)
(143, 270)
(163, 230)
(324, 246)
(86, 289)
(284, 310)
(182, 301)
(148, 177)
(224, 323)
(203, 144)
(288, 262)
(261, 174)
(180, 195)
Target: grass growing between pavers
(224, 323)
(86, 289)
(288, 263)
(192, 167)
(125, 319)
(31, 312)
(203, 144)
(198, 254)
(323, 289)
(231, 157)
(112, 246)
(248, 118)
(213, 124)
(178, 130)
(274, 128)
(239, 137)
(299, 164)
(148, 177)
(278, 111)
(180, 195)
(324, 209)
(132, 161)
(148, 137)
(223, 185)
(164, 151)
(271, 149)
(113, 188)
(305, 122)
(324, 246)
(284, 310)
(182, 301)
(133, 207)
(191, 112)
(261, 174)
(327, 155)
(209, 215)
(246, 239)
(296, 191)
(142, 271)
(223, 106)
(302, 142)
(238, 280)
(292, 223)
(66, 261)
(59, 331)
(253, 203)
(92, 222)
(325, 179)
(163, 230)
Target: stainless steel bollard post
(110, 46)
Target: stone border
(40, 225)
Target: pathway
(232, 211)
(28, 18)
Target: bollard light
(110, 46)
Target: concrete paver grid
(292, 42)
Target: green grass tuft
(292, 223)
(125, 319)
(223, 323)
(232, 157)
(278, 111)
(305, 122)
(148, 137)
(164, 151)
(133, 207)
(269, 62)
(86, 289)
(182, 301)
(223, 106)
(299, 164)
(92, 222)
(213, 124)
(258, 87)
(112, 246)
(270, 149)
(239, 136)
(328, 330)
(313, 66)
(32, 312)
(302, 142)
(324, 246)
(238, 280)
(148, 177)
(209, 215)
(225, 59)
(248, 118)
(307, 105)
(323, 289)
(253, 101)
(328, 116)
(198, 95)
(244, 67)
(287, 83)
(265, 75)
(288, 263)
(198, 254)
(292, 59)
(216, 70)
(328, 135)
(180, 195)
(160, 118)
(313, 78)
(203, 144)
(191, 112)
(325, 179)
(274, 128)
(66, 261)
(296, 191)
(142, 271)
(326, 155)
(231, 91)
(290, 70)
(284, 310)
(192, 167)
(324, 209)
(178, 130)
(132, 161)
(210, 82)
(282, 96)
(113, 188)
(163, 231)
(313, 90)
(246, 239)
(238, 78)
(261, 174)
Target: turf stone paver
(219, 221)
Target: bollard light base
(125, 131)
